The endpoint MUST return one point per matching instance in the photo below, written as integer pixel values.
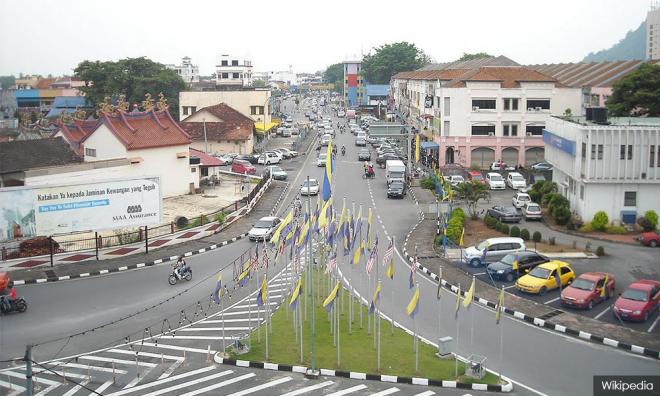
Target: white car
(532, 211)
(495, 181)
(341, 114)
(310, 187)
(520, 199)
(501, 166)
(454, 180)
(268, 158)
(320, 161)
(263, 229)
(516, 181)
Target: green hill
(630, 47)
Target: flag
(325, 214)
(327, 176)
(390, 270)
(244, 277)
(500, 306)
(375, 298)
(255, 259)
(413, 305)
(262, 294)
(217, 290)
(358, 253)
(461, 241)
(358, 226)
(304, 234)
(342, 218)
(603, 290)
(264, 256)
(332, 263)
(373, 256)
(330, 300)
(297, 291)
(458, 301)
(417, 148)
(389, 253)
(469, 295)
(283, 224)
(279, 251)
(332, 229)
(514, 266)
(411, 278)
(369, 228)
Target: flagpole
(309, 254)
(350, 299)
(267, 313)
(392, 289)
(416, 340)
(377, 329)
(439, 307)
(472, 312)
(458, 319)
(501, 336)
(222, 317)
(300, 330)
(359, 247)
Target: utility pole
(28, 370)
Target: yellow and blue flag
(263, 293)
(218, 290)
(304, 234)
(458, 301)
(358, 253)
(286, 222)
(327, 176)
(469, 296)
(413, 305)
(297, 291)
(330, 300)
(325, 213)
(342, 217)
(369, 228)
(244, 276)
(375, 298)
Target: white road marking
(551, 301)
(146, 354)
(216, 321)
(426, 393)
(171, 369)
(386, 392)
(17, 389)
(46, 390)
(308, 389)
(655, 322)
(101, 388)
(262, 386)
(218, 385)
(603, 312)
(172, 337)
(479, 273)
(164, 381)
(254, 305)
(218, 328)
(37, 379)
(509, 287)
(178, 348)
(76, 388)
(348, 390)
(117, 361)
(243, 312)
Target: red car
(242, 166)
(639, 302)
(476, 176)
(587, 290)
(651, 238)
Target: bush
(600, 221)
(547, 198)
(490, 221)
(551, 241)
(515, 232)
(458, 212)
(524, 234)
(561, 214)
(455, 225)
(586, 228)
(505, 229)
(535, 195)
(498, 225)
(220, 217)
(536, 236)
(428, 183)
(600, 251)
(649, 221)
(612, 229)
(575, 223)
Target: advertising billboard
(29, 211)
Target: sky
(52, 37)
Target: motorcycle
(175, 276)
(343, 151)
(17, 305)
(369, 175)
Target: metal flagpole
(350, 280)
(300, 320)
(472, 314)
(360, 299)
(222, 317)
(501, 324)
(267, 315)
(309, 254)
(458, 318)
(439, 296)
(416, 339)
(392, 289)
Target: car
(516, 181)
(320, 161)
(291, 153)
(650, 238)
(325, 140)
(310, 187)
(520, 199)
(532, 211)
(280, 153)
(495, 249)
(268, 158)
(341, 114)
(544, 277)
(364, 155)
(588, 290)
(454, 180)
(639, 302)
(505, 214)
(286, 132)
(476, 176)
(503, 269)
(360, 142)
(253, 159)
(264, 228)
(371, 140)
(244, 167)
(542, 166)
(495, 181)
(396, 189)
(382, 159)
(499, 165)
(277, 172)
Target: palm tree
(472, 192)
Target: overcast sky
(45, 37)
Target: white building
(232, 71)
(614, 168)
(189, 73)
(254, 103)
(653, 33)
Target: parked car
(503, 269)
(495, 181)
(651, 238)
(277, 172)
(320, 161)
(495, 249)
(639, 302)
(382, 159)
(291, 153)
(543, 277)
(364, 155)
(500, 166)
(244, 167)
(516, 181)
(396, 189)
(505, 214)
(286, 132)
(542, 166)
(360, 142)
(282, 153)
(520, 199)
(341, 114)
(588, 289)
(268, 158)
(532, 211)
(263, 229)
(454, 180)
(309, 187)
(476, 176)
(253, 159)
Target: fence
(68, 243)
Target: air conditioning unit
(538, 109)
(475, 108)
(530, 109)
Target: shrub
(612, 229)
(536, 236)
(600, 221)
(220, 217)
(505, 229)
(600, 251)
(551, 240)
(428, 183)
(574, 223)
(561, 214)
(547, 198)
(498, 225)
(649, 221)
(515, 231)
(586, 228)
(455, 225)
(490, 221)
(458, 212)
(535, 195)
(524, 234)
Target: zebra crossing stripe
(218, 385)
(164, 381)
(262, 386)
(348, 390)
(386, 392)
(189, 383)
(76, 388)
(308, 389)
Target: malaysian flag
(255, 259)
(332, 263)
(389, 253)
(372, 257)
(264, 257)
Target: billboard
(30, 211)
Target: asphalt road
(561, 365)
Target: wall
(162, 161)
(239, 100)
(225, 146)
(106, 144)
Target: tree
(472, 192)
(334, 74)
(478, 55)
(259, 83)
(638, 93)
(390, 59)
(132, 77)
(7, 81)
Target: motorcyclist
(343, 150)
(297, 204)
(9, 295)
(370, 170)
(366, 166)
(181, 267)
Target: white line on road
(164, 381)
(386, 392)
(243, 312)
(145, 354)
(86, 367)
(218, 328)
(603, 312)
(348, 390)
(17, 389)
(189, 383)
(480, 273)
(76, 388)
(551, 301)
(169, 337)
(117, 361)
(655, 322)
(509, 287)
(216, 321)
(308, 389)
(218, 385)
(104, 386)
(178, 348)
(427, 393)
(262, 386)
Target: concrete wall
(105, 143)
(225, 146)
(239, 100)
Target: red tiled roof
(449, 74)
(509, 77)
(142, 130)
(234, 125)
(76, 131)
(44, 83)
(205, 159)
(225, 113)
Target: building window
(90, 152)
(581, 191)
(483, 130)
(510, 129)
(225, 75)
(535, 130)
(193, 109)
(193, 170)
(542, 104)
(234, 63)
(630, 148)
(256, 110)
(185, 110)
(600, 151)
(447, 107)
(658, 151)
(445, 131)
(651, 156)
(488, 104)
(224, 63)
(235, 75)
(511, 104)
(630, 198)
(622, 152)
(593, 151)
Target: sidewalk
(425, 232)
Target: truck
(395, 170)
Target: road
(562, 365)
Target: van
(495, 249)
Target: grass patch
(357, 350)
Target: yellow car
(544, 277)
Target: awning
(264, 127)
(429, 145)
